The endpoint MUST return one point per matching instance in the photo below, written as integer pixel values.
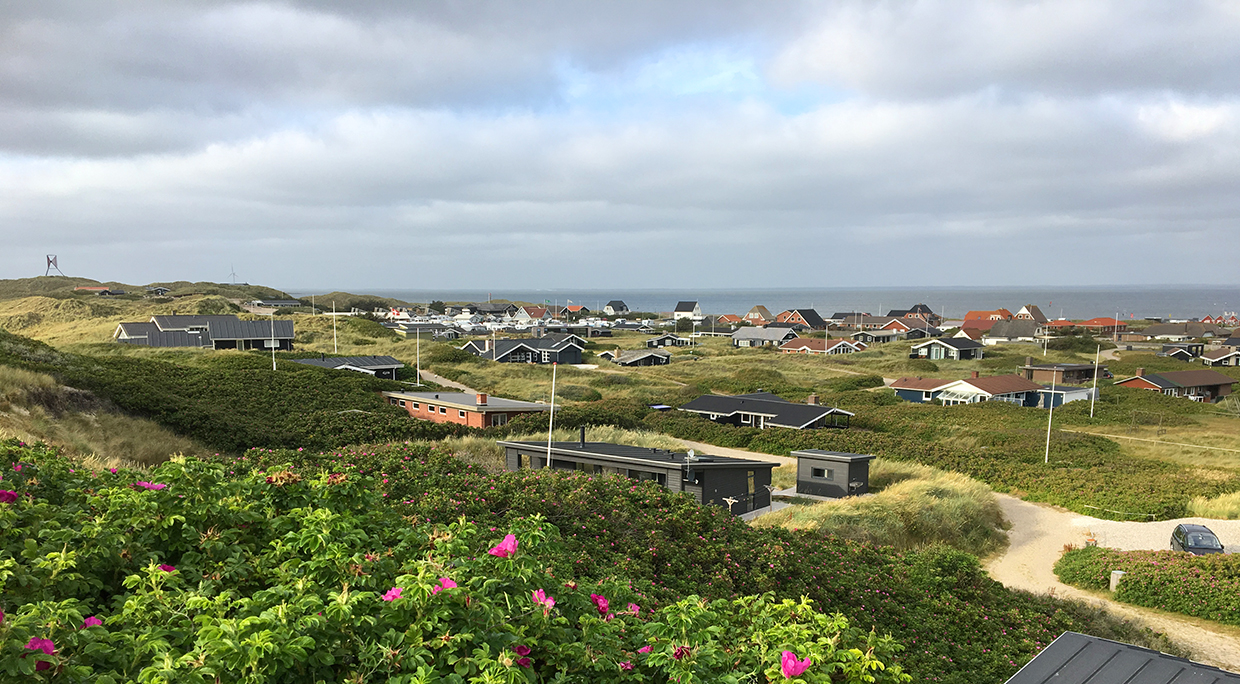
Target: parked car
(1195, 539)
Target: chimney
(482, 399)
(973, 374)
(1028, 360)
(812, 400)
(1140, 372)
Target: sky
(467, 145)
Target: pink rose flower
(791, 666)
(645, 649)
(167, 568)
(444, 583)
(521, 650)
(505, 548)
(600, 603)
(7, 496)
(523, 662)
(392, 594)
(626, 665)
(92, 621)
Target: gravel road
(1037, 539)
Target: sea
(1132, 302)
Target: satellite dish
(691, 456)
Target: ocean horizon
(1132, 302)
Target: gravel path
(1039, 534)
(444, 382)
(713, 450)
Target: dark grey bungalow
(832, 474)
(954, 348)
(764, 409)
(212, 332)
(542, 350)
(708, 479)
(378, 366)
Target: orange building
(473, 410)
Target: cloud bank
(617, 144)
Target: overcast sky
(628, 144)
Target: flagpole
(551, 418)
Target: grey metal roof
(958, 343)
(839, 456)
(367, 362)
(685, 307)
(469, 401)
(184, 322)
(779, 411)
(617, 304)
(171, 338)
(768, 334)
(503, 348)
(634, 355)
(649, 455)
(1079, 659)
(1062, 366)
(227, 327)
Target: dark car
(1195, 539)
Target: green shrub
(960, 625)
(445, 353)
(1207, 587)
(193, 574)
(577, 393)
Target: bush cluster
(958, 625)
(1201, 586)
(196, 574)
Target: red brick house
(806, 317)
(759, 315)
(1104, 325)
(729, 318)
(474, 410)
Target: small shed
(832, 474)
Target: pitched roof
(1003, 314)
(470, 401)
(728, 318)
(1079, 659)
(760, 311)
(819, 345)
(685, 307)
(228, 327)
(982, 324)
(366, 362)
(810, 316)
(1003, 384)
(917, 309)
(768, 334)
(1216, 354)
(1101, 322)
(778, 411)
(617, 304)
(957, 343)
(1014, 328)
(1034, 312)
(1185, 378)
(1185, 329)
(634, 355)
(920, 384)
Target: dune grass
(915, 506)
(1225, 507)
(34, 407)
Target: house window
(822, 473)
(443, 410)
(925, 396)
(460, 414)
(416, 406)
(430, 408)
(402, 403)
(499, 419)
(746, 419)
(750, 482)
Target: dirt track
(1037, 538)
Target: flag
(546, 301)
(570, 301)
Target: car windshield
(1202, 540)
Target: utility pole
(273, 340)
(1050, 416)
(335, 345)
(551, 418)
(1092, 397)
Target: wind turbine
(232, 274)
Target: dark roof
(1079, 659)
(768, 334)
(841, 315)
(366, 362)
(958, 343)
(779, 411)
(685, 307)
(811, 317)
(278, 303)
(617, 304)
(1153, 378)
(470, 401)
(642, 454)
(631, 356)
(1196, 378)
(148, 334)
(227, 327)
(503, 348)
(839, 456)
